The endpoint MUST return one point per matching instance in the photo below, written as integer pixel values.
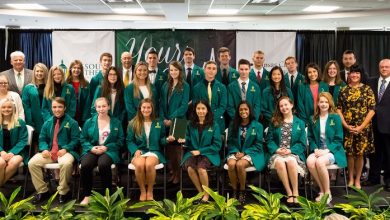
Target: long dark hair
(106, 87)
(180, 80)
(277, 117)
(316, 67)
(237, 118)
(283, 88)
(209, 119)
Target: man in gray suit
(18, 76)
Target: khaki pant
(35, 166)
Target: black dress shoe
(39, 197)
(64, 198)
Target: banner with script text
(85, 46)
(275, 45)
(171, 44)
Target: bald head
(126, 59)
(384, 68)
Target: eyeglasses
(3, 83)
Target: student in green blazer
(226, 74)
(286, 142)
(81, 87)
(57, 87)
(105, 63)
(332, 77)
(139, 89)
(32, 97)
(112, 87)
(245, 148)
(13, 140)
(218, 96)
(258, 73)
(235, 91)
(101, 140)
(174, 104)
(272, 93)
(192, 73)
(308, 92)
(58, 141)
(292, 73)
(325, 135)
(203, 143)
(157, 76)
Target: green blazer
(335, 94)
(90, 137)
(161, 78)
(178, 103)
(298, 81)
(132, 102)
(95, 82)
(119, 110)
(268, 103)
(209, 143)
(233, 75)
(68, 135)
(298, 139)
(84, 103)
(253, 144)
(157, 140)
(305, 102)
(70, 101)
(32, 107)
(333, 138)
(218, 100)
(264, 83)
(253, 97)
(19, 139)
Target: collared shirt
(186, 68)
(380, 83)
(241, 81)
(295, 74)
(346, 74)
(207, 82)
(130, 74)
(21, 76)
(152, 76)
(258, 70)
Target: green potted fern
(61, 212)
(312, 210)
(11, 209)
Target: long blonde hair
(137, 123)
(136, 82)
(45, 72)
(332, 107)
(14, 117)
(49, 88)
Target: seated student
(286, 141)
(58, 140)
(325, 136)
(5, 94)
(13, 139)
(101, 138)
(145, 137)
(203, 140)
(245, 148)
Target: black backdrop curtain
(314, 46)
(8, 47)
(369, 46)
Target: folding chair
(30, 131)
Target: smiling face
(276, 76)
(146, 109)
(141, 72)
(105, 63)
(3, 84)
(201, 110)
(384, 68)
(57, 76)
(244, 111)
(152, 60)
(126, 60)
(332, 71)
(17, 63)
(102, 107)
(174, 72)
(348, 60)
(210, 71)
(112, 77)
(224, 58)
(7, 109)
(39, 74)
(285, 107)
(312, 74)
(189, 57)
(76, 70)
(354, 77)
(58, 109)
(323, 104)
(291, 65)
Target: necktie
(243, 91)
(292, 82)
(209, 93)
(188, 79)
(258, 76)
(382, 90)
(54, 148)
(126, 80)
(19, 82)
(225, 79)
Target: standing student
(6, 94)
(57, 87)
(214, 92)
(192, 73)
(226, 74)
(32, 97)
(203, 141)
(293, 78)
(13, 140)
(145, 139)
(308, 92)
(286, 142)
(157, 76)
(139, 89)
(245, 148)
(81, 87)
(101, 139)
(174, 104)
(243, 89)
(332, 77)
(58, 140)
(272, 93)
(325, 135)
(105, 63)
(258, 73)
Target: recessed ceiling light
(320, 8)
(27, 6)
(222, 11)
(272, 2)
(129, 10)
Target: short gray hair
(17, 53)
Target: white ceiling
(192, 14)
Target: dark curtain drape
(37, 46)
(12, 36)
(314, 46)
(369, 46)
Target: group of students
(134, 107)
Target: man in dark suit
(18, 76)
(381, 124)
(348, 60)
(127, 68)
